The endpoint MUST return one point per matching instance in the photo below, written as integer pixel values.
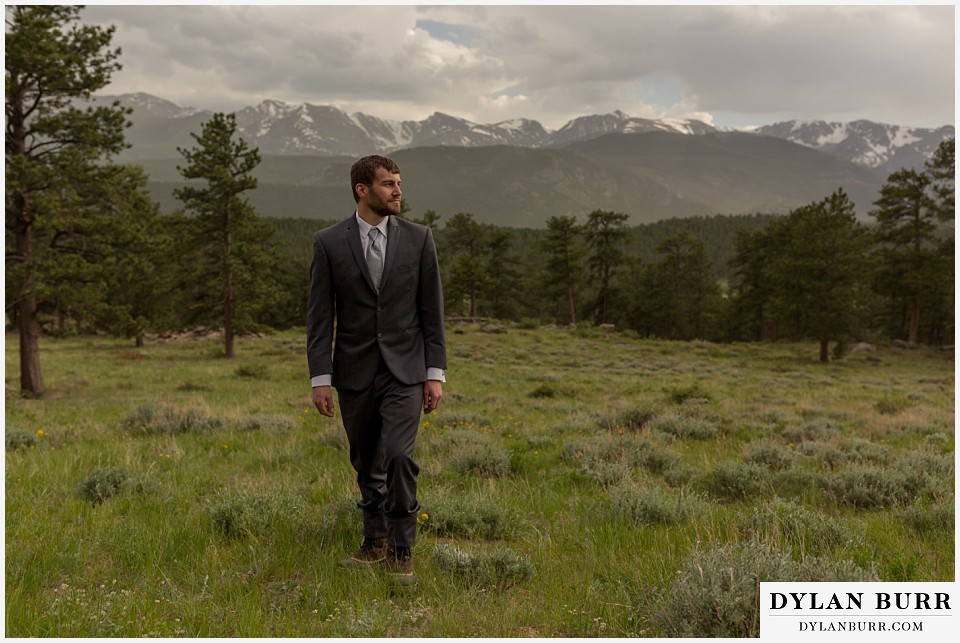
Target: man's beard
(386, 209)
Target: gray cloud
(550, 63)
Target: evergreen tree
(462, 255)
(940, 291)
(819, 253)
(430, 218)
(563, 261)
(686, 286)
(127, 253)
(907, 215)
(941, 168)
(502, 284)
(753, 290)
(55, 151)
(605, 235)
(231, 252)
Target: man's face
(383, 195)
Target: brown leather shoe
(371, 552)
(400, 565)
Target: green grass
(569, 481)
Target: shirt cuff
(321, 380)
(326, 378)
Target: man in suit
(375, 281)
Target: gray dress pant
(381, 422)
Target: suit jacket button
(379, 334)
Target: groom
(375, 282)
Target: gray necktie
(375, 257)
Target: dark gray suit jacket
(403, 322)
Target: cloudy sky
(731, 66)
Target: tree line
(817, 273)
(89, 251)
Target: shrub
(19, 439)
(816, 429)
(775, 457)
(193, 387)
(679, 475)
(656, 459)
(794, 481)
(154, 419)
(486, 461)
(716, 591)
(629, 420)
(503, 567)
(685, 426)
(866, 486)
(892, 403)
(548, 391)
(832, 454)
(605, 473)
(925, 517)
(244, 513)
(681, 394)
(594, 449)
(786, 523)
(252, 371)
(925, 470)
(609, 457)
(453, 560)
(102, 484)
(736, 480)
(473, 518)
(860, 450)
(938, 441)
(463, 420)
(653, 505)
(917, 473)
(265, 422)
(507, 568)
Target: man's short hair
(365, 170)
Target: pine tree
(56, 154)
(230, 253)
(562, 266)
(463, 252)
(753, 291)
(907, 215)
(686, 285)
(818, 269)
(942, 170)
(605, 235)
(502, 281)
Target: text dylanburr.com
(858, 611)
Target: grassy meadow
(574, 483)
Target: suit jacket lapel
(393, 241)
(352, 233)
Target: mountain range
(649, 169)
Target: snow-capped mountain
(587, 127)
(303, 129)
(148, 106)
(874, 145)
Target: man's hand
(432, 392)
(323, 400)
